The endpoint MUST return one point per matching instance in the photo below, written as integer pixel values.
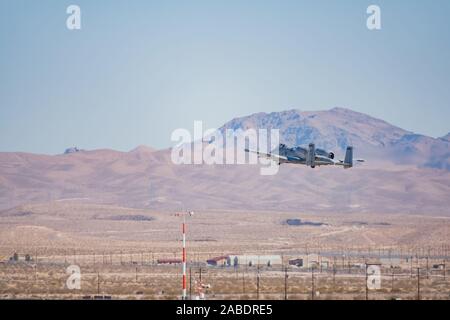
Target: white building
(255, 260)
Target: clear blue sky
(139, 69)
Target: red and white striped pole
(183, 229)
(184, 258)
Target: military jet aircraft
(310, 156)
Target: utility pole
(367, 287)
(334, 274)
(243, 280)
(312, 283)
(444, 270)
(136, 274)
(257, 284)
(411, 261)
(319, 257)
(285, 282)
(418, 283)
(98, 283)
(307, 255)
(392, 280)
(190, 283)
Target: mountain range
(404, 172)
(338, 128)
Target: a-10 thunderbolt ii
(310, 156)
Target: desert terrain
(118, 249)
(112, 213)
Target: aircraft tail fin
(311, 156)
(348, 161)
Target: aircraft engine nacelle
(331, 155)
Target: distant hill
(446, 137)
(146, 178)
(332, 129)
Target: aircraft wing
(275, 157)
(357, 160)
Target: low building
(439, 266)
(390, 262)
(296, 262)
(169, 261)
(221, 260)
(255, 260)
(18, 258)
